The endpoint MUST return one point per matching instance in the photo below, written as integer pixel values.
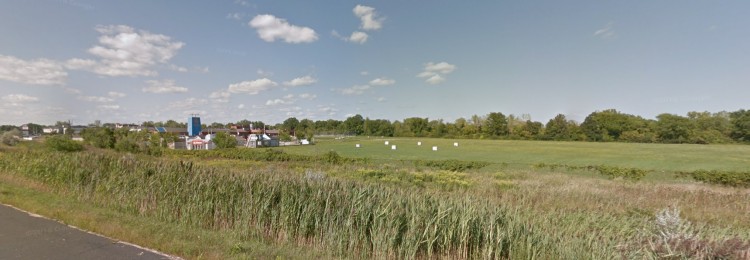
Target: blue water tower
(194, 125)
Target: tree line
(600, 126)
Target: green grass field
(659, 157)
(308, 203)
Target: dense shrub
(452, 165)
(612, 172)
(63, 143)
(11, 137)
(727, 178)
(224, 140)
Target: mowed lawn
(662, 157)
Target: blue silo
(194, 125)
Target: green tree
(495, 125)
(740, 125)
(673, 128)
(609, 124)
(558, 129)
(100, 137)
(354, 125)
(290, 125)
(223, 140)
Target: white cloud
(163, 86)
(435, 79)
(301, 81)
(442, 67)
(188, 104)
(220, 96)
(307, 96)
(328, 110)
(178, 68)
(35, 72)
(109, 107)
(380, 99)
(358, 37)
(19, 98)
(364, 73)
(123, 51)
(278, 101)
(382, 82)
(252, 87)
(96, 99)
(263, 73)
(435, 72)
(607, 32)
(72, 90)
(271, 28)
(235, 16)
(114, 94)
(242, 3)
(355, 90)
(241, 106)
(370, 19)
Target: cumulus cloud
(163, 86)
(434, 73)
(382, 82)
(34, 72)
(125, 51)
(114, 94)
(19, 98)
(109, 107)
(220, 96)
(252, 87)
(96, 99)
(356, 37)
(370, 19)
(278, 101)
(270, 28)
(328, 110)
(301, 81)
(307, 96)
(355, 90)
(380, 99)
(188, 104)
(608, 32)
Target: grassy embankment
(385, 207)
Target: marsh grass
(393, 209)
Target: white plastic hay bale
(393, 147)
(455, 144)
(386, 142)
(434, 148)
(419, 143)
(357, 145)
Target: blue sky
(134, 61)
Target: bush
(224, 140)
(63, 143)
(100, 137)
(612, 172)
(452, 165)
(11, 137)
(128, 145)
(726, 178)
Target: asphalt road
(27, 236)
